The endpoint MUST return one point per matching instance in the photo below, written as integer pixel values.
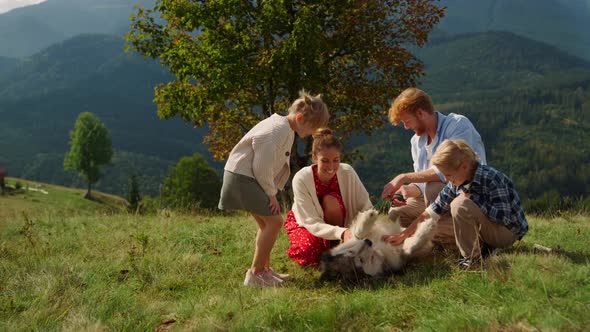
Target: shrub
(149, 205)
(192, 184)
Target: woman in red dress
(327, 197)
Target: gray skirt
(240, 192)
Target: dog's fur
(367, 255)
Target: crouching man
(484, 205)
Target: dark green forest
(529, 101)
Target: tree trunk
(88, 195)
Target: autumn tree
(236, 62)
(90, 148)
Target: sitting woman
(327, 197)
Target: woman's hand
(273, 205)
(346, 235)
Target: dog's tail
(421, 239)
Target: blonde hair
(410, 100)
(314, 110)
(324, 138)
(452, 153)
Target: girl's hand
(273, 205)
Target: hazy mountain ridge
(27, 30)
(497, 60)
(6, 64)
(564, 23)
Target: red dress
(306, 249)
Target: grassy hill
(67, 266)
(38, 199)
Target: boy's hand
(273, 205)
(398, 239)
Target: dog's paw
(364, 221)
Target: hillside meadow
(68, 264)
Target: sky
(6, 5)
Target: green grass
(97, 270)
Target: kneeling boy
(484, 205)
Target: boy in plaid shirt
(484, 205)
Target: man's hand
(405, 191)
(397, 200)
(273, 205)
(410, 191)
(393, 186)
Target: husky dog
(367, 255)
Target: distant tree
(192, 183)
(90, 148)
(2, 175)
(133, 195)
(237, 62)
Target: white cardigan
(263, 153)
(308, 211)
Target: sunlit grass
(97, 271)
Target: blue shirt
(452, 126)
(494, 193)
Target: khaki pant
(472, 228)
(445, 234)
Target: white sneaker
(261, 279)
(282, 276)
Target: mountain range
(27, 30)
(41, 96)
(529, 99)
(563, 23)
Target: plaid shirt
(494, 193)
